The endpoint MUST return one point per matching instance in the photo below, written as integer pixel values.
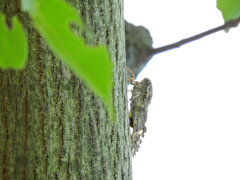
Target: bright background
(193, 127)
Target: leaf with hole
(93, 64)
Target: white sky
(193, 128)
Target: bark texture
(51, 124)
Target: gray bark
(51, 124)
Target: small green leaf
(230, 9)
(93, 64)
(13, 45)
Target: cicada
(140, 100)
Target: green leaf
(93, 64)
(13, 45)
(230, 9)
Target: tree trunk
(51, 124)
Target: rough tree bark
(51, 124)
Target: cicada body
(140, 100)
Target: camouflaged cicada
(140, 100)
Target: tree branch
(229, 24)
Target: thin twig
(229, 24)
